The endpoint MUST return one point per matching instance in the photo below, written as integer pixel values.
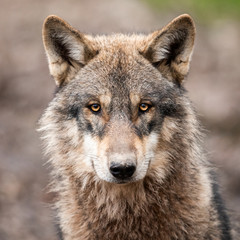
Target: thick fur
(171, 193)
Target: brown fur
(170, 195)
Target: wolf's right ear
(67, 49)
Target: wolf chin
(123, 139)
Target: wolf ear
(67, 49)
(170, 49)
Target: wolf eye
(95, 107)
(143, 107)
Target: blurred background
(26, 88)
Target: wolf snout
(122, 171)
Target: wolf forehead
(119, 72)
(120, 53)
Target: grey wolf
(123, 138)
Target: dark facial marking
(168, 108)
(68, 113)
(151, 126)
(138, 132)
(89, 127)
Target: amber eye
(143, 107)
(95, 107)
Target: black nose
(121, 171)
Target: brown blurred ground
(26, 88)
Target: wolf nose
(121, 171)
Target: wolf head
(120, 112)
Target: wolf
(123, 138)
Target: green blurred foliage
(204, 10)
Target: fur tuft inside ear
(170, 49)
(67, 49)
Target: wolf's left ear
(170, 49)
(67, 49)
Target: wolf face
(120, 104)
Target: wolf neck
(102, 208)
(116, 200)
